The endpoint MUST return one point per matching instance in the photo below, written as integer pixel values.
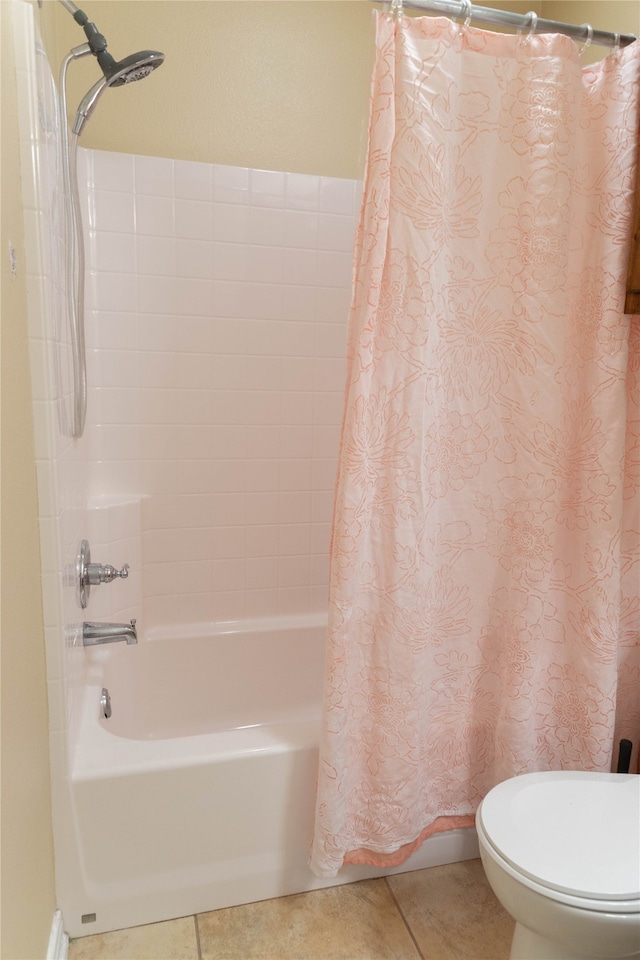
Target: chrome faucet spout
(95, 633)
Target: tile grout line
(404, 919)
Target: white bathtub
(199, 792)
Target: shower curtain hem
(364, 856)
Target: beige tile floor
(444, 913)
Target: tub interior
(168, 687)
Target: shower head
(116, 74)
(137, 66)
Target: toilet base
(527, 945)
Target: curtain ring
(533, 22)
(616, 45)
(587, 42)
(466, 9)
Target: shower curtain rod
(520, 21)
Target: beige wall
(28, 897)
(275, 85)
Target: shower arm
(71, 7)
(97, 42)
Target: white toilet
(561, 851)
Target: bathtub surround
(216, 305)
(217, 300)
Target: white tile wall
(216, 312)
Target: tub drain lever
(105, 703)
(90, 574)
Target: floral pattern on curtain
(485, 559)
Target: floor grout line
(404, 919)
(195, 922)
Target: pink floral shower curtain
(485, 567)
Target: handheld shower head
(135, 67)
(115, 74)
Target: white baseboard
(58, 948)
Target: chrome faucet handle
(91, 574)
(104, 573)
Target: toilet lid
(578, 833)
